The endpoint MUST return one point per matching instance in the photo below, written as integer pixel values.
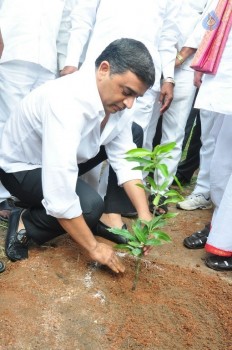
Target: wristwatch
(169, 80)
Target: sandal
(2, 266)
(198, 239)
(219, 263)
(155, 210)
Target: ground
(57, 299)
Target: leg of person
(219, 241)
(117, 203)
(146, 114)
(175, 119)
(200, 197)
(190, 164)
(40, 227)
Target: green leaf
(136, 244)
(151, 182)
(164, 169)
(137, 252)
(153, 242)
(172, 193)
(169, 215)
(138, 160)
(139, 152)
(122, 232)
(162, 236)
(138, 231)
(166, 147)
(164, 186)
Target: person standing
(32, 34)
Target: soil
(59, 299)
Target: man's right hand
(105, 255)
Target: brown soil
(58, 299)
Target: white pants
(221, 184)
(175, 118)
(208, 136)
(17, 79)
(146, 114)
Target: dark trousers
(27, 187)
(191, 163)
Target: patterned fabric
(218, 25)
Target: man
(34, 33)
(60, 125)
(214, 98)
(2, 265)
(98, 22)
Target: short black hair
(129, 54)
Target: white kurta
(175, 118)
(215, 96)
(58, 126)
(31, 30)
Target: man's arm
(100, 252)
(167, 51)
(82, 19)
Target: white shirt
(216, 90)
(30, 30)
(57, 127)
(101, 21)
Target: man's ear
(104, 68)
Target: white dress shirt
(31, 30)
(102, 21)
(57, 127)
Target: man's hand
(105, 255)
(197, 79)
(68, 70)
(166, 96)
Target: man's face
(118, 91)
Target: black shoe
(6, 208)
(2, 266)
(102, 231)
(155, 210)
(219, 263)
(198, 239)
(16, 245)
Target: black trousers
(190, 164)
(27, 187)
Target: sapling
(149, 233)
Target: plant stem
(137, 271)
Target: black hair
(129, 54)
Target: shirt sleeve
(61, 138)
(83, 18)
(116, 151)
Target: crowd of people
(81, 83)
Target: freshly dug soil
(58, 299)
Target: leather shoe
(16, 245)
(198, 239)
(219, 263)
(102, 231)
